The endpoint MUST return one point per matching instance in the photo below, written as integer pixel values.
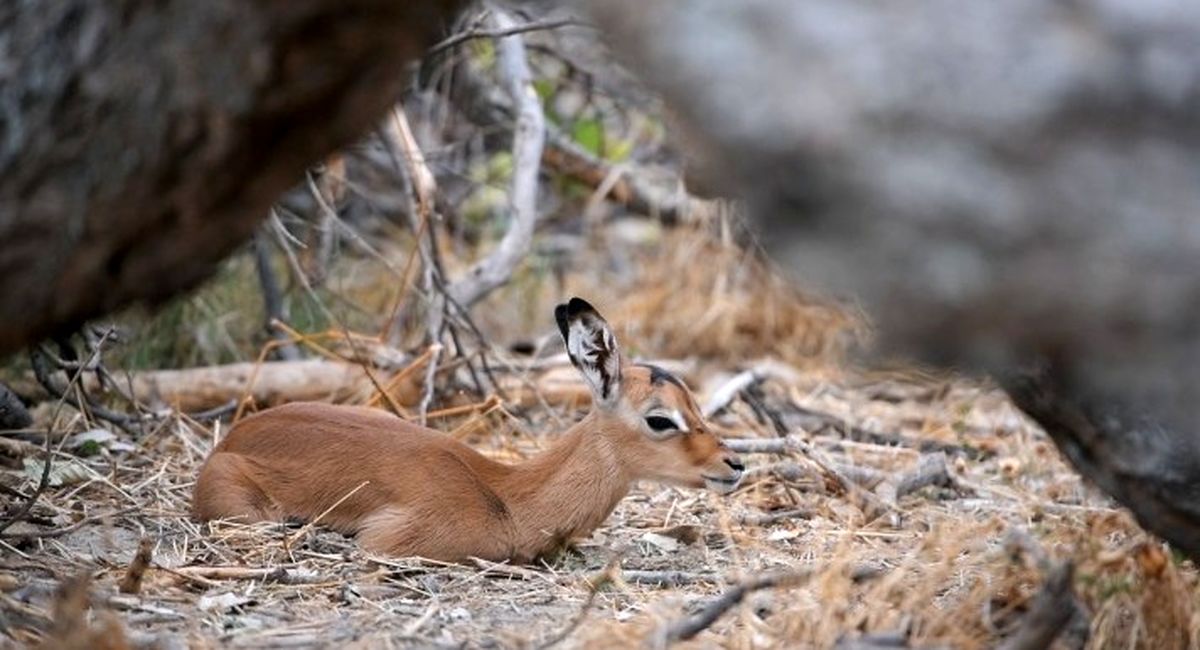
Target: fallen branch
(931, 469)
(210, 387)
(768, 518)
(787, 471)
(279, 575)
(668, 578)
(815, 422)
(760, 445)
(691, 626)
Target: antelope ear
(592, 349)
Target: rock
(1000, 183)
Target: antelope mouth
(722, 484)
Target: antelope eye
(660, 423)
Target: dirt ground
(953, 564)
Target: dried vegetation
(882, 509)
(955, 563)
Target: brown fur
(432, 496)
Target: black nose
(735, 463)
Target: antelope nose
(735, 463)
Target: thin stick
(362, 362)
(405, 372)
(287, 543)
(485, 405)
(131, 583)
(594, 585)
(472, 34)
(44, 481)
(691, 626)
(67, 530)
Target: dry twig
(131, 582)
(44, 480)
(502, 32)
(689, 627)
(595, 584)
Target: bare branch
(471, 34)
(728, 391)
(44, 480)
(691, 626)
(272, 296)
(528, 140)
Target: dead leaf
(668, 544)
(221, 602)
(62, 472)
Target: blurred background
(933, 268)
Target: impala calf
(408, 490)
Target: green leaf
(619, 150)
(545, 88)
(589, 133)
(483, 51)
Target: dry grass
(940, 568)
(713, 300)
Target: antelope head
(647, 414)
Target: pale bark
(528, 140)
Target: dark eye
(659, 423)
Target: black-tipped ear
(592, 348)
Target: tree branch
(474, 33)
(528, 141)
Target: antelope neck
(569, 489)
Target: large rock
(141, 142)
(999, 182)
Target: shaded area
(141, 143)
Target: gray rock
(999, 182)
